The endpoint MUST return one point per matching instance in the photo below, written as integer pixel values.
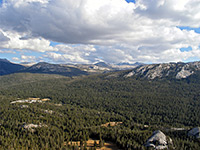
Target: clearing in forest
(91, 143)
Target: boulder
(158, 140)
(195, 132)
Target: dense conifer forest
(79, 106)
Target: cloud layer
(108, 30)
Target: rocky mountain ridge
(165, 70)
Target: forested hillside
(142, 105)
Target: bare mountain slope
(167, 70)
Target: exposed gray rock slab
(195, 132)
(158, 140)
(172, 70)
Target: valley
(108, 107)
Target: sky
(89, 31)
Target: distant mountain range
(48, 68)
(7, 67)
(153, 71)
(128, 64)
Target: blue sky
(197, 30)
(186, 49)
(112, 31)
(133, 1)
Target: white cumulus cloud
(16, 41)
(109, 30)
(25, 58)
